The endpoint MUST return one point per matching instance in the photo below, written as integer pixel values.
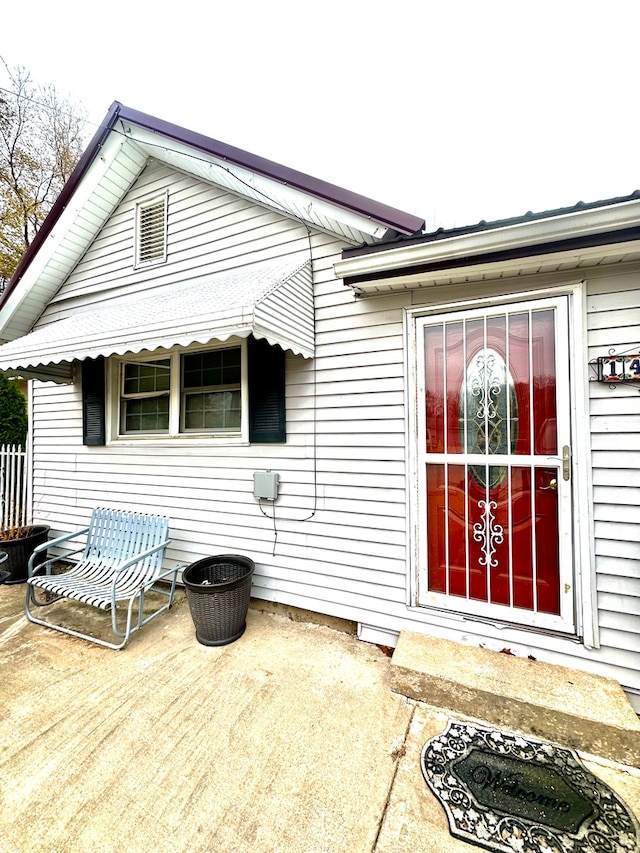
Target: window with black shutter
(211, 392)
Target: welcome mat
(509, 793)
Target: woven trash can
(218, 592)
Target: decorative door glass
(492, 463)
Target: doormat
(510, 793)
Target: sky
(455, 111)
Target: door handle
(566, 462)
(553, 486)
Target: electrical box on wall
(265, 485)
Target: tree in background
(41, 140)
(13, 413)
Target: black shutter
(93, 401)
(267, 418)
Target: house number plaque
(619, 368)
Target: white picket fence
(13, 486)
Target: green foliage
(13, 413)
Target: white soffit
(271, 300)
(102, 188)
(394, 269)
(353, 227)
(529, 265)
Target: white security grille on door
(493, 500)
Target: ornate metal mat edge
(505, 792)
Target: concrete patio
(290, 739)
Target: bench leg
(49, 598)
(70, 631)
(129, 628)
(142, 620)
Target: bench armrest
(164, 574)
(59, 539)
(40, 548)
(141, 556)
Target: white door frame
(580, 531)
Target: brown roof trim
(483, 225)
(602, 239)
(396, 220)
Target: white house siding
(206, 488)
(338, 544)
(362, 465)
(613, 320)
(209, 231)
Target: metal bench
(120, 561)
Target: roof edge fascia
(472, 272)
(86, 160)
(391, 217)
(394, 220)
(504, 239)
(262, 186)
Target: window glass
(211, 398)
(144, 378)
(213, 410)
(146, 415)
(208, 399)
(220, 367)
(144, 402)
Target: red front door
(494, 463)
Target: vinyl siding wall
(613, 433)
(338, 543)
(614, 322)
(209, 231)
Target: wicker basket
(218, 592)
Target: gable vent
(152, 232)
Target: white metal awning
(272, 300)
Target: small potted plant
(18, 542)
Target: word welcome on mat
(509, 793)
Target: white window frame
(174, 434)
(142, 205)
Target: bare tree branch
(41, 140)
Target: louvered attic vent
(152, 232)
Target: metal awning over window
(273, 300)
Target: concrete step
(576, 709)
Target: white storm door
(494, 463)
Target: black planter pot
(218, 592)
(19, 551)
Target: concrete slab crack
(397, 753)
